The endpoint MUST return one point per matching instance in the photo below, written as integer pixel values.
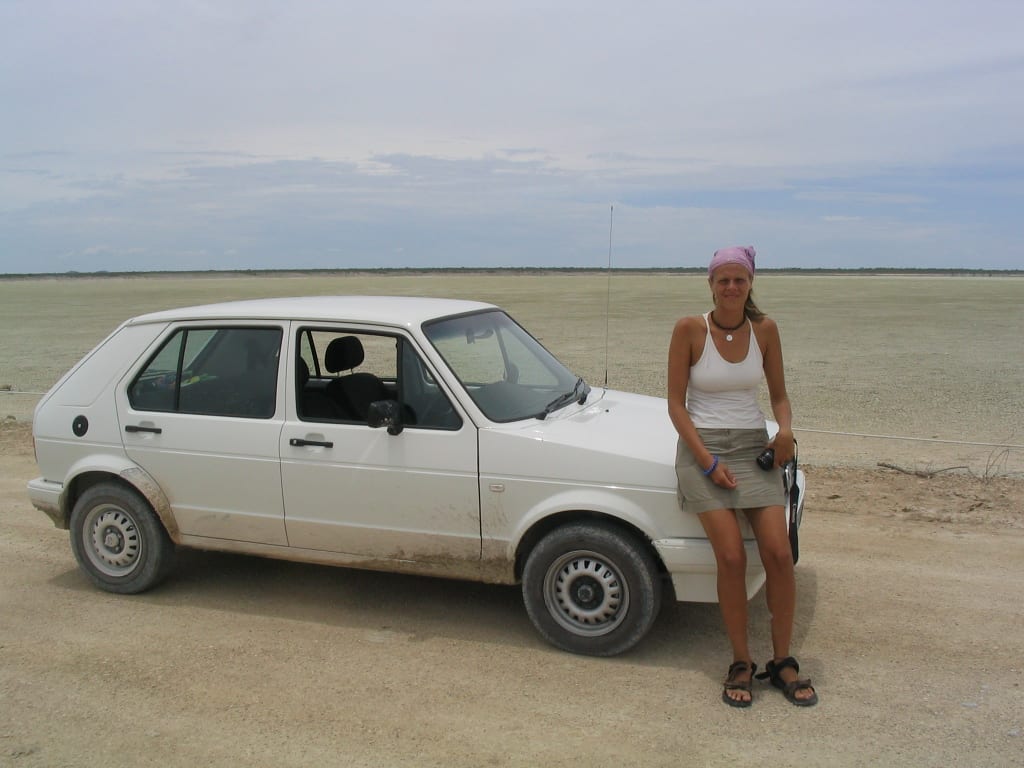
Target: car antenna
(608, 293)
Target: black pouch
(792, 503)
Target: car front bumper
(691, 566)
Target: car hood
(615, 438)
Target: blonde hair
(751, 310)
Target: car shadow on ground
(418, 606)
(685, 636)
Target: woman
(715, 365)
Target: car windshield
(506, 371)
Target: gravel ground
(909, 610)
(909, 623)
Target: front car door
(353, 489)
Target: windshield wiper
(579, 393)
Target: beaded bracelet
(711, 469)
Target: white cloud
(174, 128)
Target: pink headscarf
(742, 255)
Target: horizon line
(268, 272)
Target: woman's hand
(784, 446)
(722, 476)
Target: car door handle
(136, 428)
(298, 441)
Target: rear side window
(212, 371)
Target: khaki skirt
(738, 449)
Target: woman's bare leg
(723, 532)
(769, 525)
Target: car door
(203, 417)
(363, 491)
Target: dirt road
(910, 624)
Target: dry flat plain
(909, 618)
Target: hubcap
(585, 593)
(113, 542)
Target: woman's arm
(774, 374)
(679, 361)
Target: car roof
(407, 311)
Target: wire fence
(907, 437)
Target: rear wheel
(118, 540)
(591, 588)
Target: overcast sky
(163, 134)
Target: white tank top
(723, 395)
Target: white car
(418, 435)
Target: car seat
(314, 403)
(353, 391)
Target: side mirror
(385, 413)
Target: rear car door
(203, 416)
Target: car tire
(591, 588)
(118, 540)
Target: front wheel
(118, 541)
(592, 589)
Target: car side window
(424, 402)
(212, 371)
(339, 374)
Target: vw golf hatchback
(424, 436)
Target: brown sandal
(737, 669)
(789, 690)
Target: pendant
(728, 337)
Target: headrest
(343, 354)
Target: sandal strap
(738, 668)
(772, 668)
(789, 662)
